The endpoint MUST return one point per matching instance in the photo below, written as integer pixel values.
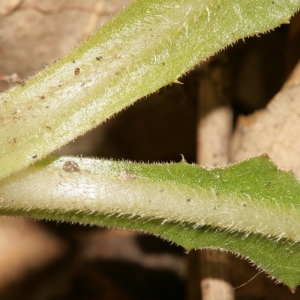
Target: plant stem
(213, 137)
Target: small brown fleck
(34, 156)
(98, 57)
(77, 71)
(125, 175)
(42, 97)
(268, 183)
(71, 166)
(13, 141)
(244, 204)
(188, 200)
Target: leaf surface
(250, 208)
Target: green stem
(150, 44)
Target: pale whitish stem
(213, 136)
(294, 78)
(292, 46)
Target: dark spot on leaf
(98, 57)
(71, 167)
(34, 156)
(13, 141)
(77, 71)
(125, 175)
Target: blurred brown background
(50, 260)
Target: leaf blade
(157, 199)
(150, 44)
